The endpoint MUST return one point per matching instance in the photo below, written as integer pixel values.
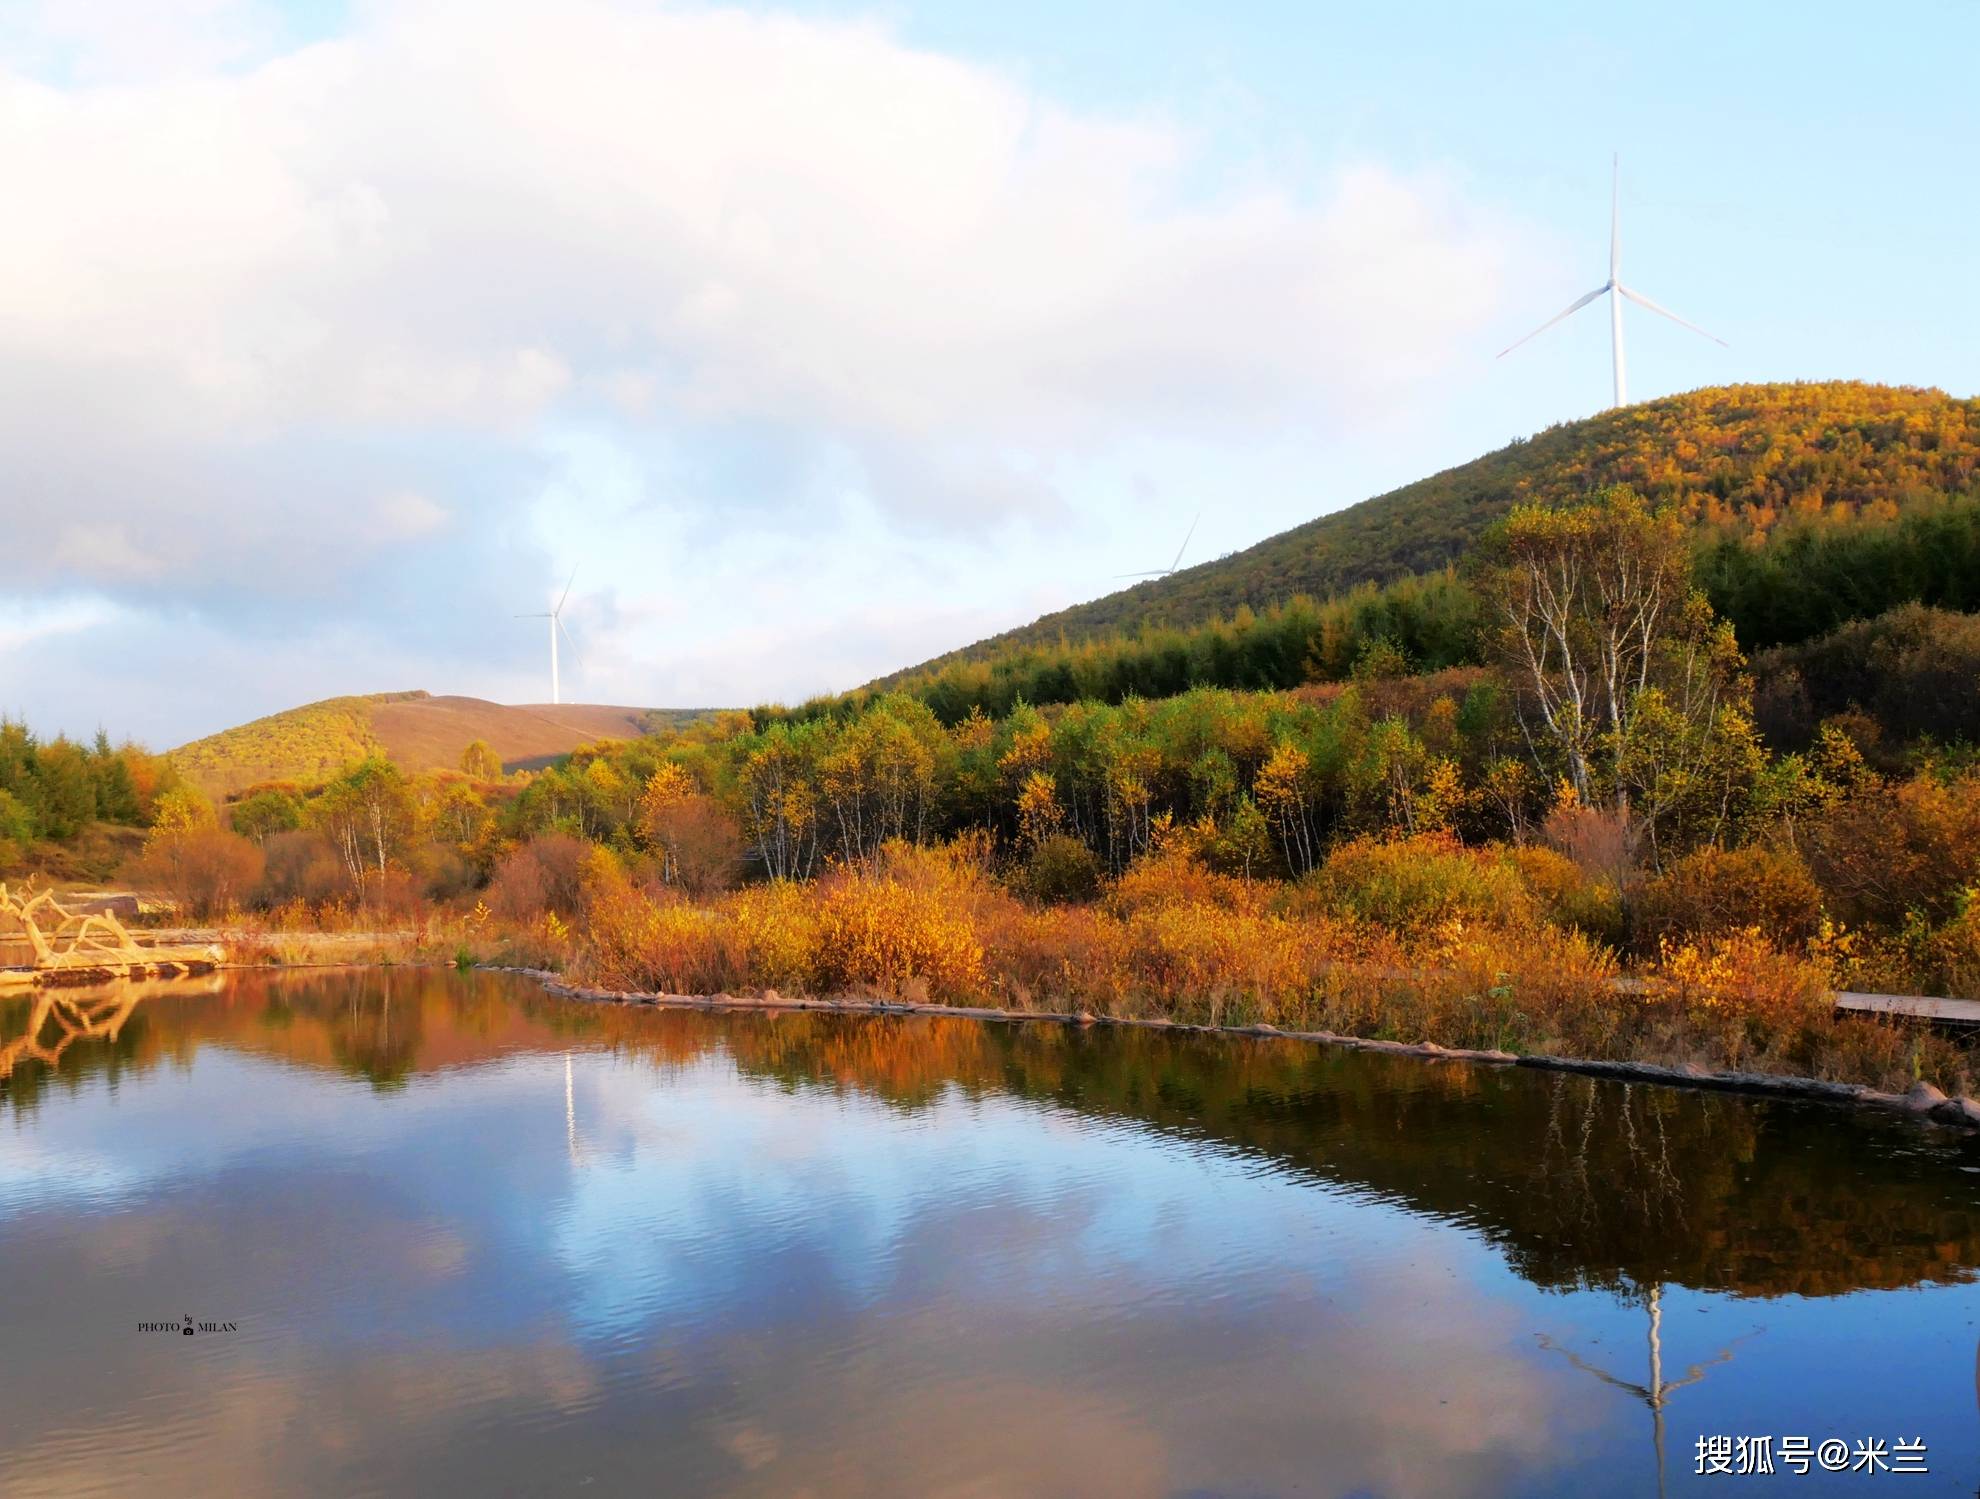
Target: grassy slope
(417, 731)
(1742, 456)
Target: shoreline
(1924, 1103)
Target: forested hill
(1738, 458)
(415, 729)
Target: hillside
(1739, 459)
(415, 729)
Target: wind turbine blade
(1615, 218)
(567, 590)
(569, 642)
(1160, 572)
(539, 614)
(1642, 301)
(1185, 546)
(1572, 308)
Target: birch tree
(1628, 685)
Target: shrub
(778, 927)
(395, 891)
(1746, 995)
(443, 873)
(881, 934)
(1565, 893)
(1717, 891)
(1598, 839)
(302, 867)
(205, 869)
(1956, 949)
(1064, 956)
(1222, 966)
(960, 866)
(666, 946)
(1896, 848)
(1412, 884)
(701, 846)
(1061, 868)
(544, 874)
(1176, 876)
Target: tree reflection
(1577, 1181)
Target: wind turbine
(1163, 572)
(556, 618)
(1615, 291)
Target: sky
(810, 341)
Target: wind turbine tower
(1615, 291)
(555, 617)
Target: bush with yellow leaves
(895, 938)
(1415, 884)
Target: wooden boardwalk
(1914, 1007)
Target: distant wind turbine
(556, 618)
(1614, 289)
(1163, 572)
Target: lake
(440, 1233)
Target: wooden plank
(1915, 1006)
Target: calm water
(469, 1239)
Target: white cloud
(458, 220)
(863, 344)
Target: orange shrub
(303, 868)
(778, 928)
(1891, 850)
(1061, 957)
(1221, 965)
(205, 869)
(1716, 890)
(544, 874)
(669, 947)
(1743, 973)
(1175, 876)
(1512, 988)
(1565, 893)
(961, 863)
(881, 934)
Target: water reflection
(1656, 1393)
(475, 1236)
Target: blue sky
(824, 338)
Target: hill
(416, 730)
(1735, 459)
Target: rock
(1960, 1111)
(1923, 1097)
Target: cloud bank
(292, 320)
